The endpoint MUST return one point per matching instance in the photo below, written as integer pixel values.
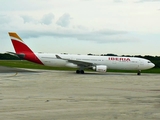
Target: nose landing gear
(139, 72)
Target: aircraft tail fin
(19, 45)
(22, 49)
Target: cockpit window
(149, 61)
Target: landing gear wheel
(77, 71)
(80, 71)
(139, 72)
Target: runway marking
(134, 90)
(15, 74)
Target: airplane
(81, 62)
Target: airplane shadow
(106, 74)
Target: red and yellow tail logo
(19, 45)
(21, 48)
(14, 36)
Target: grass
(30, 65)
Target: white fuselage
(112, 62)
(97, 63)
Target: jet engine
(100, 68)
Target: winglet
(58, 57)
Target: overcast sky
(123, 27)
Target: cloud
(27, 19)
(47, 19)
(105, 36)
(4, 19)
(29, 27)
(99, 36)
(64, 20)
(148, 1)
(117, 0)
(79, 32)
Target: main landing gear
(80, 71)
(139, 72)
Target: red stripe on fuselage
(20, 47)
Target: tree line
(7, 56)
(154, 59)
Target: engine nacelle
(100, 68)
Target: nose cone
(152, 65)
(146, 64)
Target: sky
(122, 27)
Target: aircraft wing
(77, 62)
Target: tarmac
(64, 95)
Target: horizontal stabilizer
(21, 55)
(12, 53)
